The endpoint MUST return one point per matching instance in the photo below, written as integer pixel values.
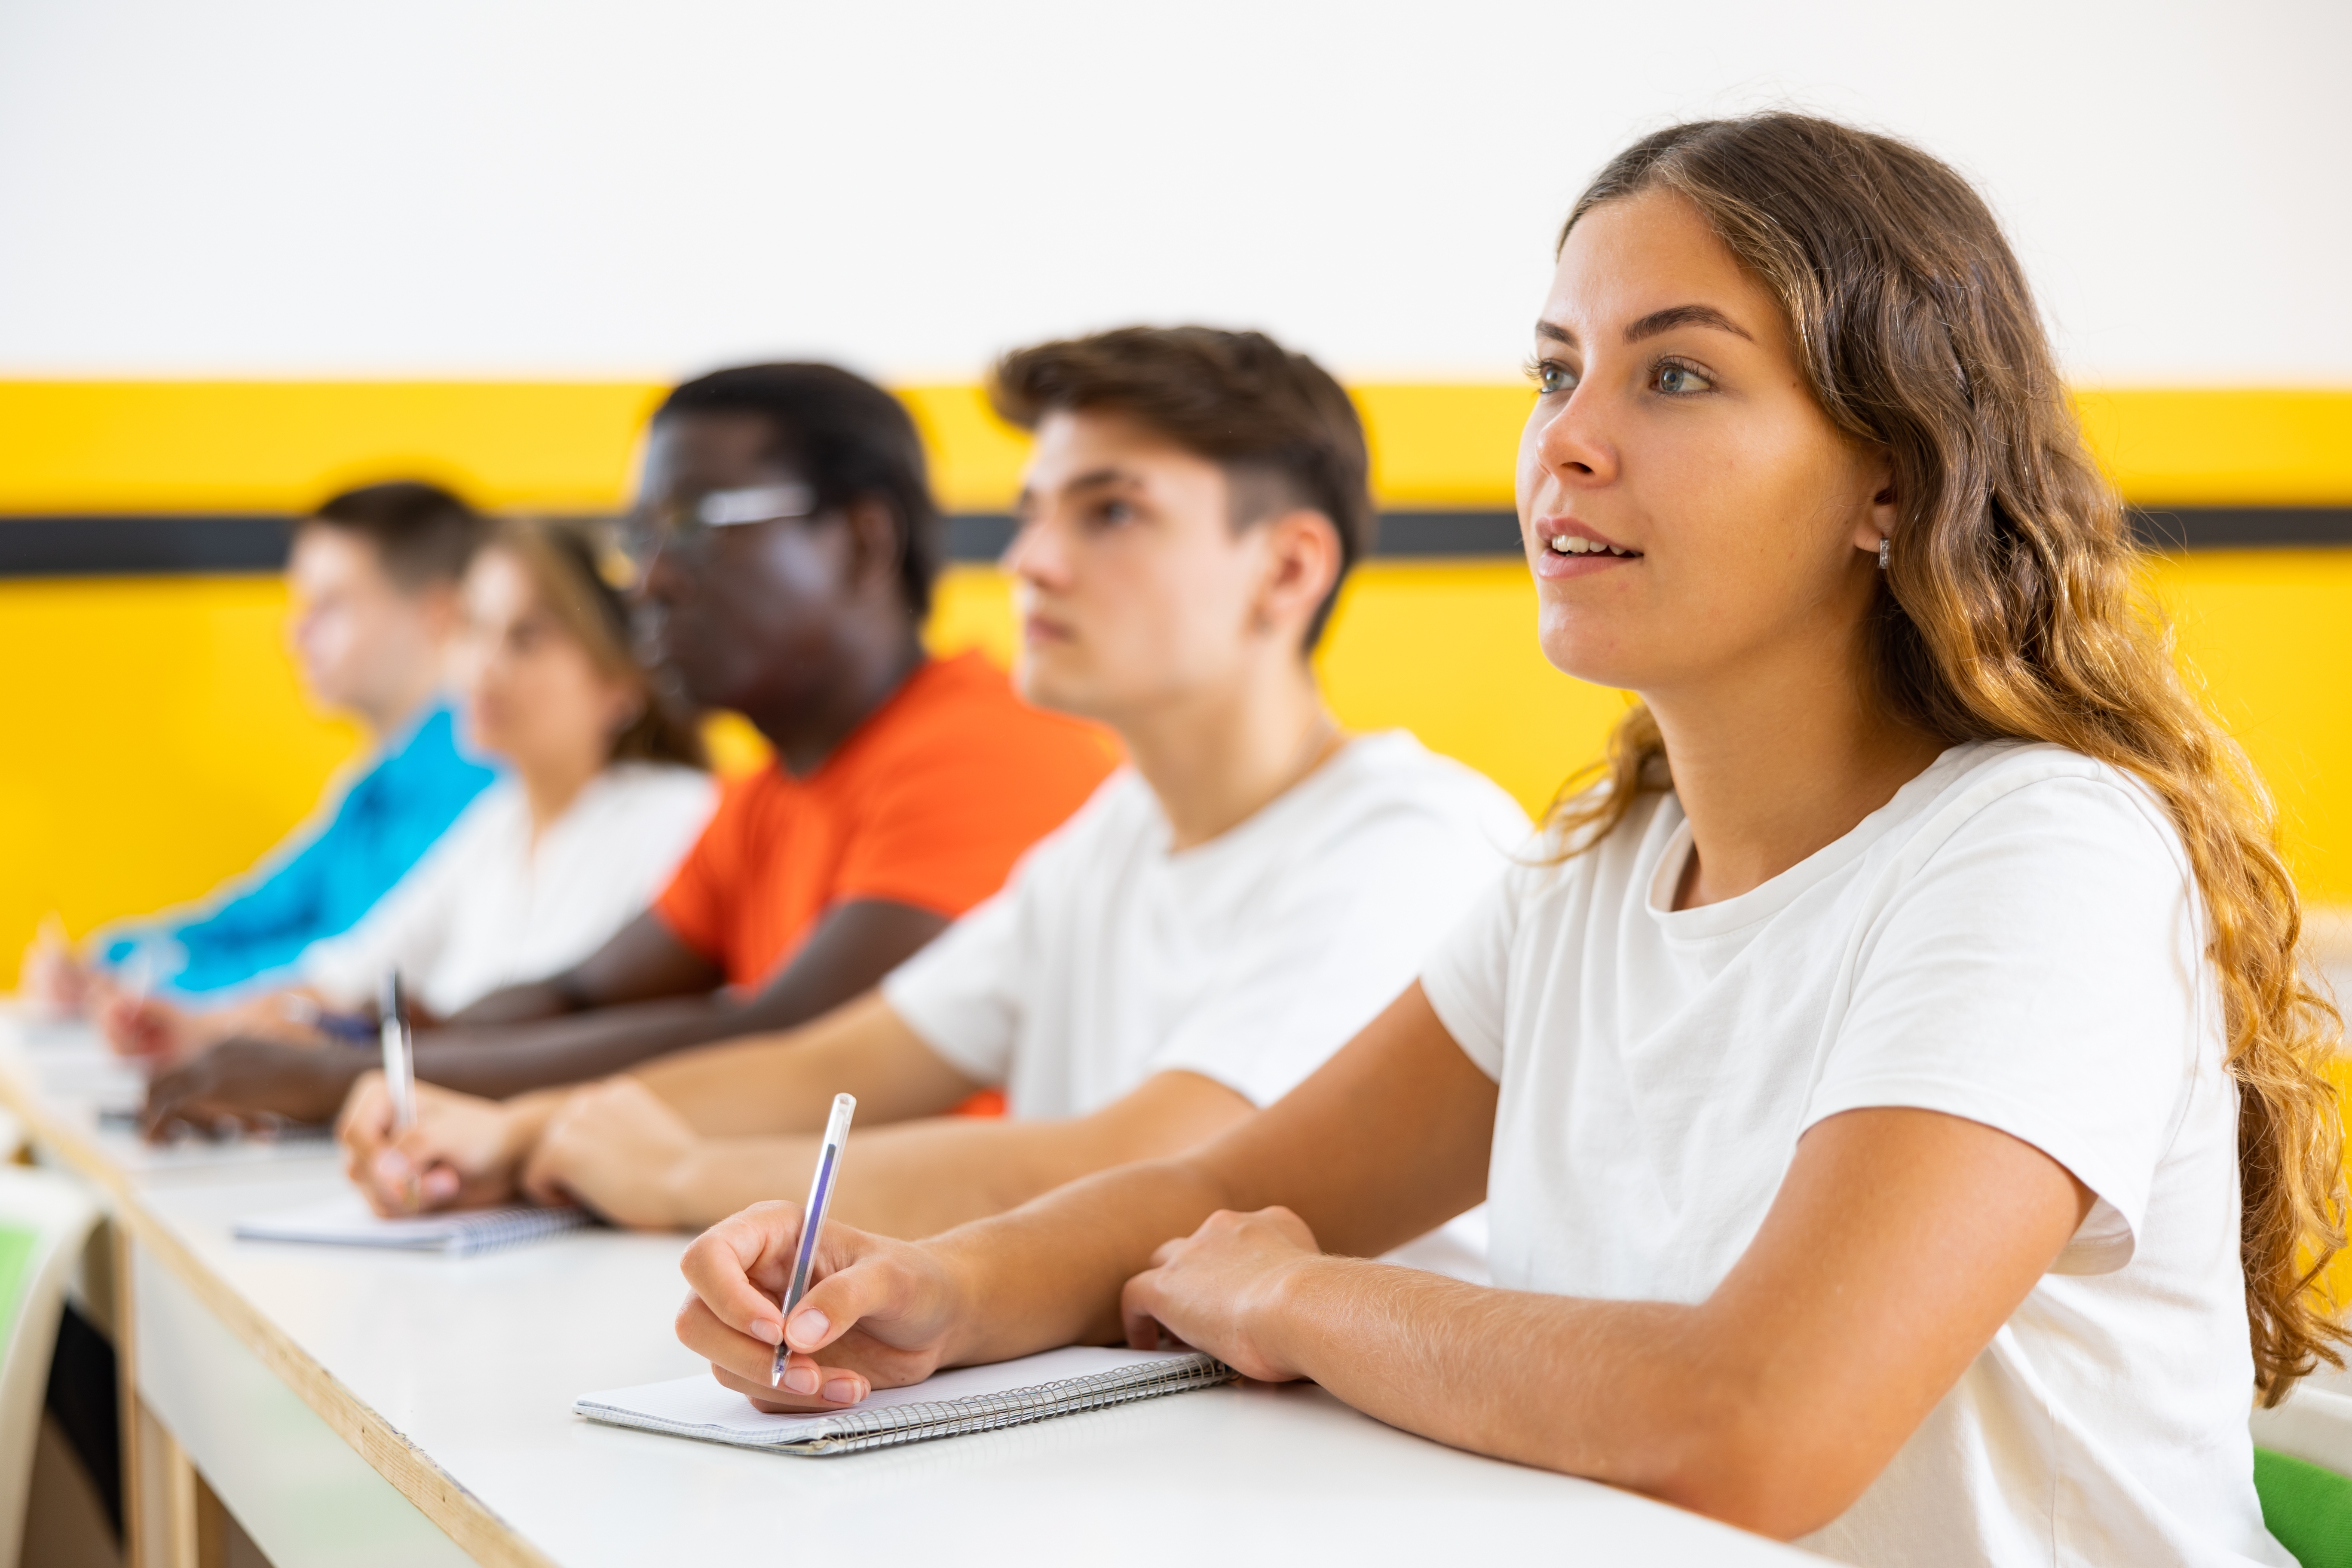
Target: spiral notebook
(347, 1221)
(968, 1399)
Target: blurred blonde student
(1219, 918)
(1898, 1100)
(604, 794)
(373, 575)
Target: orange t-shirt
(928, 803)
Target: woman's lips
(1566, 548)
(1041, 630)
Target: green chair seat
(16, 1245)
(2308, 1508)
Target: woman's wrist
(959, 1274)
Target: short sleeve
(2042, 973)
(697, 905)
(1465, 978)
(960, 994)
(1329, 954)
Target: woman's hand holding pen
(463, 1153)
(881, 1315)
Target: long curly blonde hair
(2011, 607)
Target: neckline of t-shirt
(1335, 773)
(1762, 902)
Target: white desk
(354, 1407)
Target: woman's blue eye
(1551, 376)
(1678, 378)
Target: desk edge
(440, 1496)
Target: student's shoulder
(433, 755)
(659, 789)
(2045, 794)
(1392, 778)
(1120, 818)
(501, 807)
(962, 710)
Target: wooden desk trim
(462, 1517)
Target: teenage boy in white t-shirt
(1222, 915)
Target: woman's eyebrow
(1556, 334)
(1674, 316)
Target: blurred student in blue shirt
(375, 576)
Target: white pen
(820, 1199)
(399, 1060)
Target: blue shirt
(385, 821)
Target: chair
(2303, 1457)
(45, 1218)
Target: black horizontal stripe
(142, 544)
(158, 543)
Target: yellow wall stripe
(272, 446)
(2240, 447)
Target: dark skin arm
(644, 962)
(568, 1030)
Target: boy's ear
(1304, 546)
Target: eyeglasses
(683, 528)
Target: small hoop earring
(1884, 544)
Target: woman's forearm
(1049, 1273)
(1603, 1389)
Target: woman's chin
(1575, 651)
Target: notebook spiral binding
(494, 1228)
(990, 1412)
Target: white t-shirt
(485, 909)
(1249, 959)
(2015, 939)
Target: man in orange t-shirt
(892, 815)
(788, 542)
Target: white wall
(588, 186)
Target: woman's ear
(1879, 515)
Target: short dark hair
(848, 438)
(1239, 399)
(424, 535)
